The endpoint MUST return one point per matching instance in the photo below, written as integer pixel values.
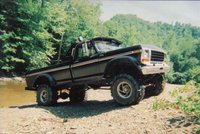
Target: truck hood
(136, 47)
(152, 47)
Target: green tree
(32, 31)
(179, 40)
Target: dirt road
(100, 114)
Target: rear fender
(45, 79)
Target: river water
(12, 93)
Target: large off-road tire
(46, 96)
(77, 94)
(141, 95)
(157, 87)
(125, 90)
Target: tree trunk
(43, 3)
(60, 47)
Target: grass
(188, 100)
(164, 104)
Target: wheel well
(119, 69)
(41, 80)
(124, 64)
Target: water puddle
(12, 93)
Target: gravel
(99, 115)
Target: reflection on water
(12, 93)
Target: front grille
(157, 56)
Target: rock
(50, 132)
(155, 116)
(65, 120)
(187, 124)
(148, 130)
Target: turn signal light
(137, 51)
(145, 60)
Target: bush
(188, 101)
(176, 78)
(191, 103)
(164, 104)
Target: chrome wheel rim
(44, 96)
(124, 90)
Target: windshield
(105, 46)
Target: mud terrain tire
(157, 88)
(46, 96)
(125, 90)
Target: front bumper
(155, 69)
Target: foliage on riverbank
(31, 32)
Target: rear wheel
(46, 96)
(125, 90)
(77, 94)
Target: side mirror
(80, 39)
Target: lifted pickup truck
(101, 62)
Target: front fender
(122, 62)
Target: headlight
(145, 57)
(145, 53)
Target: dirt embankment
(100, 114)
(3, 80)
(17, 79)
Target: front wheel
(46, 96)
(125, 90)
(157, 87)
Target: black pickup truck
(101, 62)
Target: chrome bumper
(155, 69)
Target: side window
(105, 46)
(85, 51)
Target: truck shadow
(68, 110)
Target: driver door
(85, 66)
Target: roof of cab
(107, 39)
